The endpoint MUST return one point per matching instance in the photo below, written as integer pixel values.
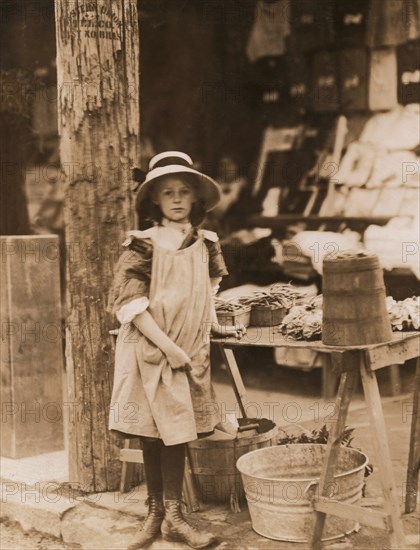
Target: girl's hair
(150, 212)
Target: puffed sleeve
(130, 292)
(217, 266)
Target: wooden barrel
(213, 463)
(354, 300)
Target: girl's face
(175, 198)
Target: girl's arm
(176, 356)
(217, 269)
(129, 300)
(225, 330)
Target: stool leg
(382, 454)
(395, 379)
(329, 377)
(412, 484)
(235, 378)
(131, 472)
(124, 471)
(344, 395)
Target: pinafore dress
(149, 398)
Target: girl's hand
(178, 359)
(228, 330)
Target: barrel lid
(351, 260)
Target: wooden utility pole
(98, 119)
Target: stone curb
(76, 521)
(32, 510)
(101, 520)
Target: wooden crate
(237, 317)
(262, 316)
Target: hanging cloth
(325, 82)
(297, 79)
(408, 65)
(270, 29)
(392, 22)
(383, 79)
(353, 79)
(350, 22)
(312, 24)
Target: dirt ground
(13, 538)
(294, 396)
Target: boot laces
(178, 517)
(154, 502)
(155, 511)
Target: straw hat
(175, 162)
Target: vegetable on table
(404, 314)
(227, 306)
(278, 296)
(304, 322)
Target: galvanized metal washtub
(280, 483)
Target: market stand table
(347, 362)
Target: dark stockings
(172, 461)
(163, 467)
(151, 462)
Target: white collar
(181, 227)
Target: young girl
(162, 296)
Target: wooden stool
(367, 360)
(129, 457)
(347, 363)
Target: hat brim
(208, 189)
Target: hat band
(167, 161)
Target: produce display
(264, 299)
(262, 307)
(231, 312)
(227, 306)
(404, 314)
(278, 296)
(298, 315)
(304, 322)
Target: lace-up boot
(151, 526)
(175, 528)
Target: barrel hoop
(359, 292)
(232, 444)
(214, 472)
(355, 320)
(354, 270)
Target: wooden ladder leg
(395, 379)
(235, 377)
(344, 395)
(132, 472)
(329, 377)
(412, 483)
(382, 455)
(125, 471)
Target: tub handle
(310, 484)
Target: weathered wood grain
(98, 118)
